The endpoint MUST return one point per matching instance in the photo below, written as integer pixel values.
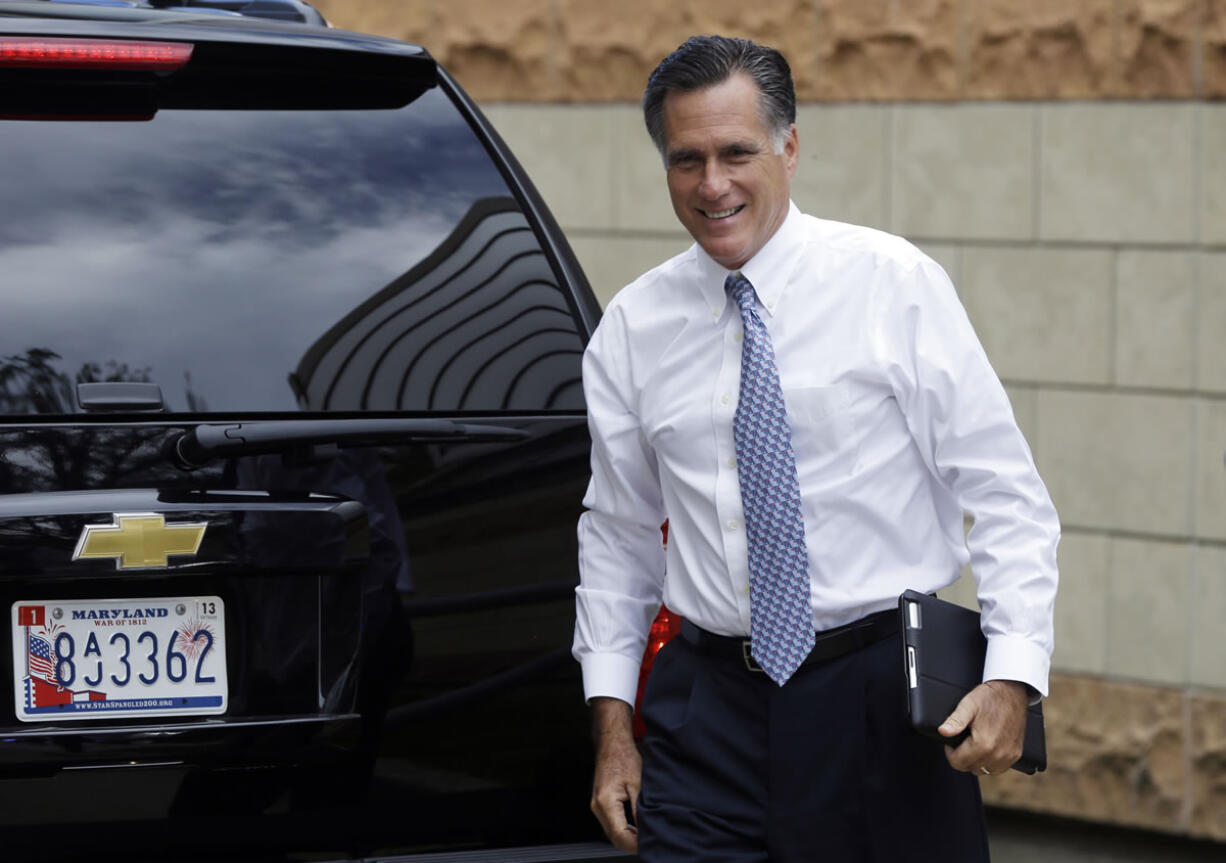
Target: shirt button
(723, 400)
(732, 462)
(733, 524)
(747, 590)
(771, 305)
(739, 336)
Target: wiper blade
(199, 445)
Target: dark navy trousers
(825, 768)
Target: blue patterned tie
(780, 611)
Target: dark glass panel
(276, 261)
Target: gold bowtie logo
(140, 540)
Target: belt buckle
(747, 655)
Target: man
(807, 404)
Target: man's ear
(791, 150)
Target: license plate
(108, 658)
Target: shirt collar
(767, 271)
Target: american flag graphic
(40, 659)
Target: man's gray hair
(704, 61)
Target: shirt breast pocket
(823, 430)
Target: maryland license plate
(110, 658)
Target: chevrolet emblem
(138, 540)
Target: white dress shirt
(899, 426)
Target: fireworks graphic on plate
(187, 637)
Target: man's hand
(619, 770)
(995, 713)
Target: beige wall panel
(964, 171)
(570, 155)
(1025, 401)
(640, 189)
(1207, 626)
(1039, 49)
(612, 262)
(1213, 170)
(1081, 604)
(1155, 319)
(1211, 472)
(948, 256)
(1147, 611)
(1042, 314)
(1157, 47)
(1116, 461)
(842, 170)
(883, 49)
(1211, 322)
(964, 591)
(1118, 173)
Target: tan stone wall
(840, 50)
(1128, 754)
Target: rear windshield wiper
(199, 445)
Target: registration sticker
(109, 658)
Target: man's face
(728, 185)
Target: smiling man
(728, 171)
(807, 404)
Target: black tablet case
(943, 659)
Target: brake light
(663, 628)
(61, 53)
(666, 625)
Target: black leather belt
(829, 644)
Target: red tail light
(56, 53)
(663, 628)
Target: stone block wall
(1066, 163)
(840, 50)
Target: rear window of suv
(365, 259)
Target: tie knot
(741, 291)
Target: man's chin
(730, 256)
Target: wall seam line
(1074, 529)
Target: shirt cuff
(610, 675)
(1011, 657)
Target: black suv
(292, 445)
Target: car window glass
(259, 261)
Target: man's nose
(714, 181)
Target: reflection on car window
(480, 323)
(276, 261)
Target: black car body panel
(298, 294)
